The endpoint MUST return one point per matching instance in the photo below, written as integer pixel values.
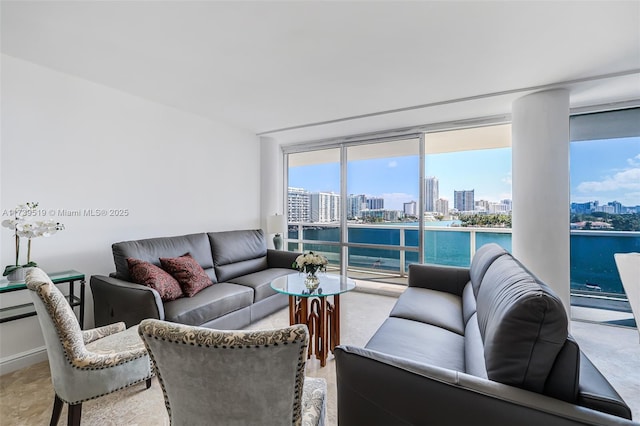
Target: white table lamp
(277, 224)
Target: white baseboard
(22, 360)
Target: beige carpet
(26, 395)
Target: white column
(271, 182)
(540, 169)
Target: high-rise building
(442, 206)
(463, 201)
(410, 208)
(325, 207)
(482, 206)
(355, 204)
(605, 208)
(375, 203)
(617, 206)
(582, 208)
(298, 205)
(431, 194)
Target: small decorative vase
(17, 275)
(311, 281)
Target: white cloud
(625, 180)
(635, 161)
(392, 164)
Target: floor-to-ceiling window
(605, 200)
(467, 192)
(364, 203)
(452, 185)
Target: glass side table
(11, 313)
(312, 307)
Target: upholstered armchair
(84, 364)
(254, 377)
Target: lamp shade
(276, 224)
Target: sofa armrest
(117, 300)
(281, 259)
(379, 389)
(450, 279)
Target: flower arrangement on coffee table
(310, 263)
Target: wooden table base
(323, 321)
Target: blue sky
(606, 170)
(600, 170)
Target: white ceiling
(271, 65)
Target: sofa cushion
(152, 249)
(188, 272)
(430, 307)
(237, 253)
(482, 259)
(523, 325)
(419, 342)
(468, 302)
(260, 281)
(474, 349)
(211, 303)
(153, 276)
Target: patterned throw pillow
(153, 276)
(188, 272)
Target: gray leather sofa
(238, 262)
(485, 345)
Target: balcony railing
(388, 249)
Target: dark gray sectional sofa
(485, 345)
(238, 262)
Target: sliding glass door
(313, 203)
(382, 199)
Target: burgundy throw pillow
(153, 276)
(188, 272)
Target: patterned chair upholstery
(84, 364)
(253, 377)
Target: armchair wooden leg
(148, 382)
(57, 410)
(75, 412)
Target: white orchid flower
(24, 227)
(9, 223)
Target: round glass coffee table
(311, 307)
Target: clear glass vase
(311, 281)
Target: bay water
(591, 257)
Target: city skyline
(601, 170)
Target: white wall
(74, 145)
